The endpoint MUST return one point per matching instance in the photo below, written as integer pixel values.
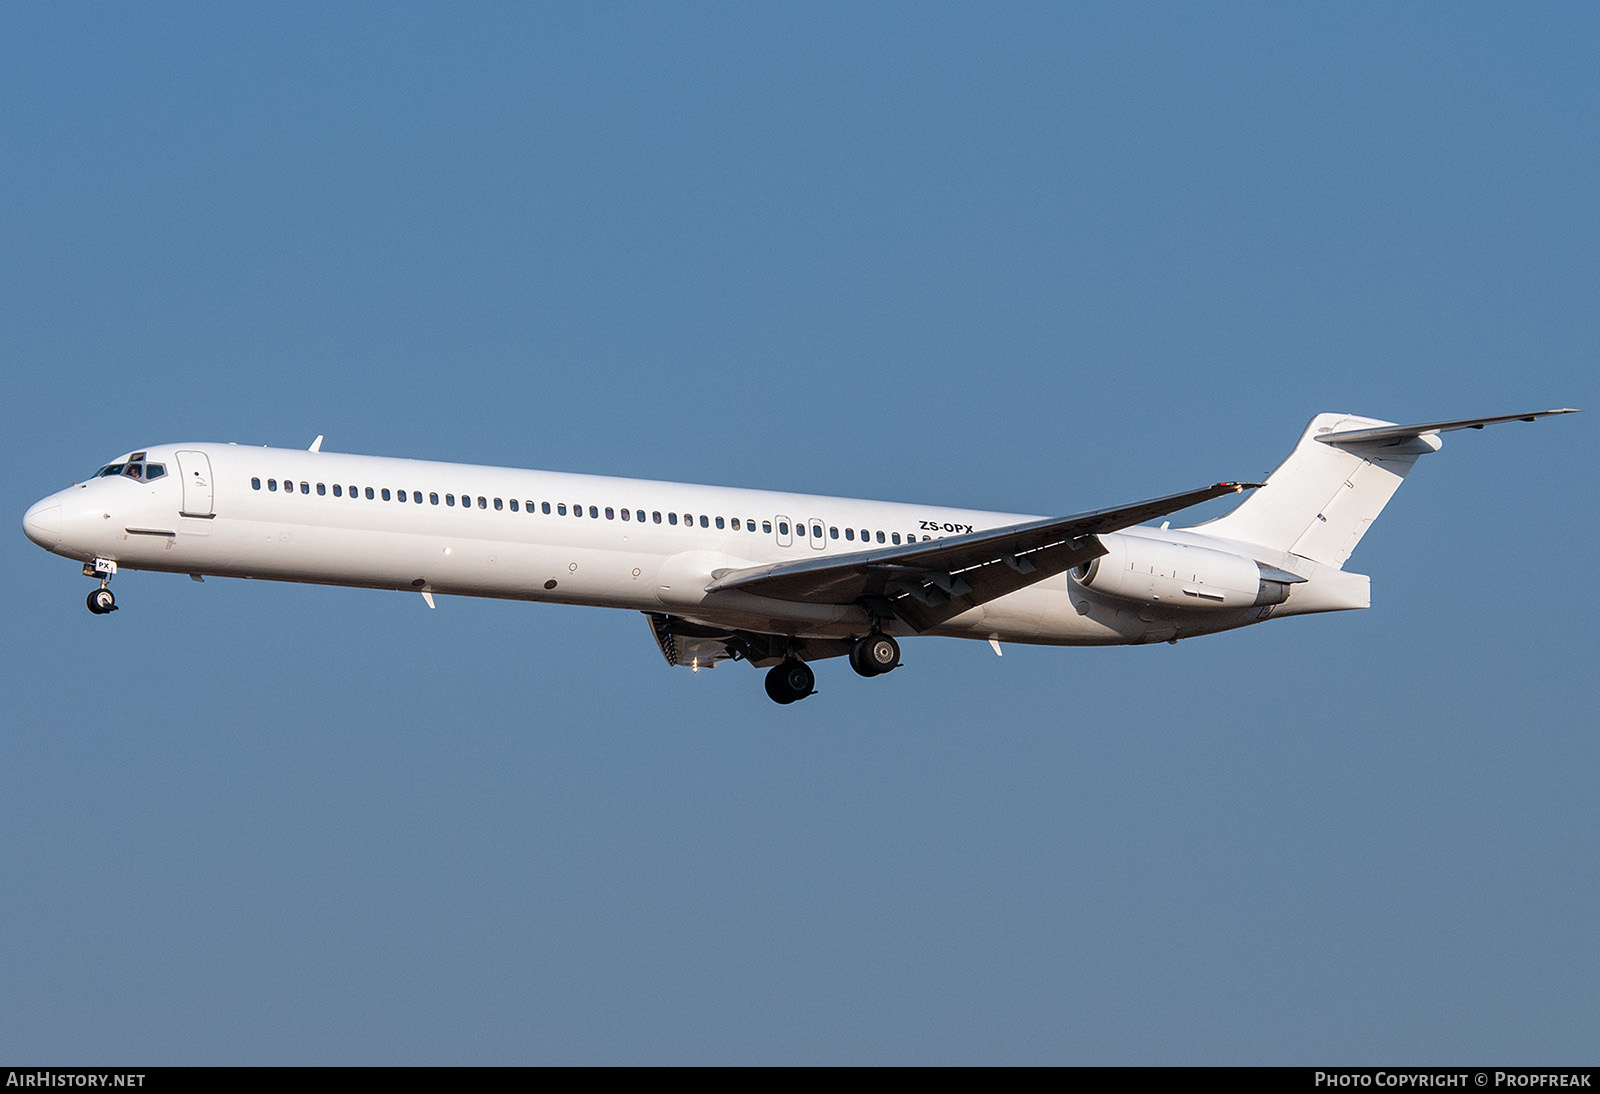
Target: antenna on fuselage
(316, 445)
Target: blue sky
(1034, 258)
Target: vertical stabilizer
(1321, 500)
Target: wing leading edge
(927, 583)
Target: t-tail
(1320, 502)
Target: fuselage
(458, 529)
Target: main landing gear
(101, 602)
(874, 655)
(790, 681)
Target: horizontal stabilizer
(1395, 434)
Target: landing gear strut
(874, 655)
(101, 602)
(790, 681)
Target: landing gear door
(195, 470)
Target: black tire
(874, 655)
(101, 602)
(789, 682)
(858, 659)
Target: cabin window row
(561, 509)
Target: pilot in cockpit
(134, 467)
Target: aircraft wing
(926, 583)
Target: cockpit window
(133, 468)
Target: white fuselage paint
(205, 518)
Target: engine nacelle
(1152, 571)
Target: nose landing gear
(101, 602)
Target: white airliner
(778, 580)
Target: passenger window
(849, 533)
(513, 504)
(400, 495)
(799, 530)
(655, 517)
(594, 512)
(449, 499)
(705, 521)
(611, 514)
(880, 537)
(545, 508)
(816, 531)
(577, 510)
(672, 518)
(640, 514)
(561, 508)
(255, 484)
(416, 497)
(766, 526)
(483, 502)
(305, 488)
(433, 499)
(370, 494)
(499, 505)
(895, 537)
(386, 495)
(338, 491)
(736, 525)
(719, 521)
(272, 484)
(626, 515)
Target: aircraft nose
(42, 523)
